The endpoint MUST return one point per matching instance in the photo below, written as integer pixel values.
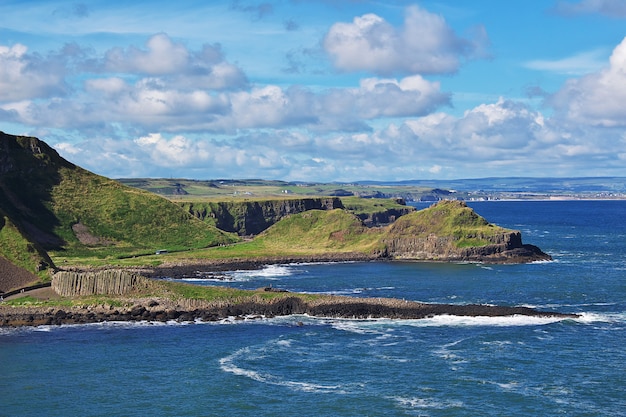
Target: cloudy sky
(320, 90)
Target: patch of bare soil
(12, 276)
(85, 237)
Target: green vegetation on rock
(49, 203)
(21, 252)
(52, 210)
(320, 231)
(447, 218)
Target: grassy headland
(50, 206)
(55, 214)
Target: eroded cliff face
(253, 217)
(467, 238)
(445, 248)
(383, 217)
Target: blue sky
(320, 90)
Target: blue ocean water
(444, 366)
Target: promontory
(57, 218)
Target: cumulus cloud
(611, 8)
(504, 138)
(206, 68)
(26, 76)
(424, 45)
(155, 104)
(596, 99)
(161, 56)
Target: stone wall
(108, 282)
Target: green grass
(46, 195)
(217, 294)
(448, 218)
(324, 232)
(358, 205)
(319, 231)
(241, 190)
(128, 221)
(17, 249)
(174, 291)
(29, 301)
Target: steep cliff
(451, 231)
(253, 217)
(383, 217)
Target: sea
(307, 366)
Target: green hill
(446, 231)
(315, 233)
(319, 231)
(51, 209)
(50, 205)
(447, 218)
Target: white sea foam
(267, 272)
(374, 325)
(589, 318)
(427, 403)
(219, 278)
(227, 364)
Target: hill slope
(55, 206)
(446, 231)
(451, 231)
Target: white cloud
(161, 56)
(598, 98)
(424, 45)
(26, 76)
(173, 61)
(504, 138)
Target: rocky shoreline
(160, 310)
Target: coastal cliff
(451, 231)
(253, 217)
(248, 218)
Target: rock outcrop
(452, 232)
(253, 217)
(383, 217)
(106, 282)
(154, 309)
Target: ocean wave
(426, 403)
(227, 364)
(444, 320)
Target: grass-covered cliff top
(447, 218)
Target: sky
(320, 91)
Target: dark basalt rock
(344, 308)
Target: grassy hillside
(20, 251)
(312, 233)
(112, 218)
(49, 203)
(447, 218)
